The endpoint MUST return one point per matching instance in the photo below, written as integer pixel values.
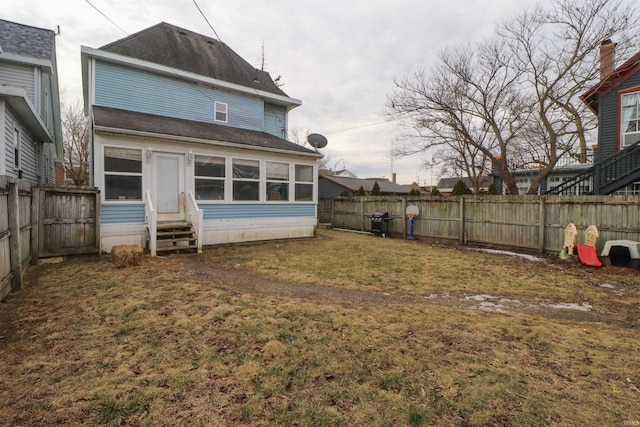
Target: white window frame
(251, 180)
(298, 182)
(275, 181)
(624, 121)
(221, 108)
(211, 178)
(106, 172)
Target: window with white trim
(209, 177)
(277, 180)
(122, 173)
(16, 149)
(630, 119)
(220, 113)
(304, 183)
(246, 180)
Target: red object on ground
(588, 256)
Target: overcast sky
(339, 57)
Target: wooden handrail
(196, 215)
(151, 218)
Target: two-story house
(186, 131)
(615, 99)
(31, 138)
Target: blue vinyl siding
(255, 211)
(145, 92)
(121, 214)
(275, 120)
(28, 155)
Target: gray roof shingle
(354, 184)
(23, 40)
(175, 47)
(160, 125)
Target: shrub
(375, 191)
(461, 189)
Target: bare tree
(468, 108)
(514, 100)
(75, 135)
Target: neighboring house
(29, 103)
(616, 102)
(446, 185)
(185, 130)
(333, 186)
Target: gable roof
(592, 96)
(115, 120)
(178, 48)
(354, 184)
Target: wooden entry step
(175, 236)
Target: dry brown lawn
(341, 329)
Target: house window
(209, 177)
(304, 183)
(277, 181)
(630, 119)
(122, 173)
(246, 180)
(16, 149)
(220, 112)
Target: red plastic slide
(588, 256)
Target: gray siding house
(187, 133)
(31, 139)
(615, 99)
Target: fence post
(404, 219)
(362, 213)
(15, 253)
(461, 223)
(35, 228)
(541, 220)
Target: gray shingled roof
(175, 47)
(160, 125)
(446, 183)
(354, 184)
(23, 40)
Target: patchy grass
(329, 331)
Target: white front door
(168, 186)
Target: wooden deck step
(171, 236)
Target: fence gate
(68, 221)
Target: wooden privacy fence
(518, 222)
(43, 221)
(68, 221)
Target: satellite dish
(316, 140)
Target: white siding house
(185, 130)
(30, 138)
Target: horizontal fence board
(526, 222)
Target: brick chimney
(393, 177)
(607, 58)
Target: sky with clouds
(340, 57)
